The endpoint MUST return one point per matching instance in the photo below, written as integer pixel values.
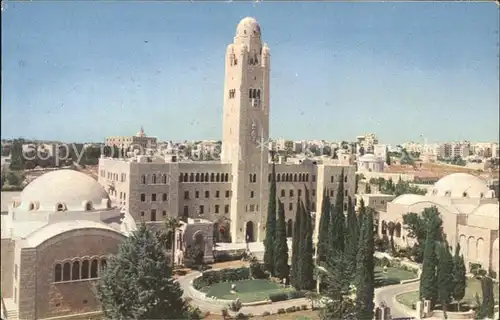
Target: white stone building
(470, 214)
(370, 163)
(235, 189)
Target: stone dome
(63, 190)
(248, 27)
(369, 158)
(460, 185)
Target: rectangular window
(216, 208)
(290, 206)
(313, 192)
(196, 194)
(291, 193)
(186, 211)
(283, 193)
(142, 213)
(227, 193)
(153, 214)
(300, 192)
(202, 210)
(217, 193)
(226, 208)
(252, 208)
(313, 178)
(186, 195)
(153, 197)
(251, 194)
(207, 194)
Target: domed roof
(63, 190)
(460, 185)
(248, 27)
(368, 158)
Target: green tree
(296, 238)
(16, 155)
(486, 308)
(307, 250)
(445, 276)
(324, 225)
(351, 239)
(137, 282)
(271, 223)
(171, 225)
(417, 227)
(365, 270)
(387, 157)
(296, 248)
(428, 279)
(459, 277)
(361, 213)
(281, 247)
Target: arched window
(58, 273)
(307, 177)
(186, 178)
(295, 178)
(202, 178)
(143, 179)
(32, 206)
(191, 177)
(283, 177)
(75, 271)
(254, 93)
(180, 177)
(164, 197)
(206, 177)
(164, 179)
(278, 178)
(197, 178)
(250, 93)
(217, 177)
(254, 177)
(103, 264)
(154, 178)
(212, 177)
(66, 272)
(258, 94)
(226, 177)
(88, 206)
(93, 269)
(300, 177)
(60, 207)
(85, 269)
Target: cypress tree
(351, 239)
(361, 213)
(445, 276)
(487, 307)
(324, 225)
(459, 277)
(336, 241)
(339, 200)
(296, 258)
(365, 270)
(307, 267)
(281, 247)
(270, 224)
(428, 279)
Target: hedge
(282, 296)
(210, 277)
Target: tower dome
(248, 27)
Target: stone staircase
(11, 309)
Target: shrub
(290, 309)
(280, 296)
(296, 294)
(281, 311)
(304, 307)
(225, 256)
(265, 313)
(210, 277)
(258, 271)
(481, 273)
(194, 256)
(474, 268)
(235, 305)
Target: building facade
(233, 191)
(140, 140)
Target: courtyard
(473, 287)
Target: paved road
(388, 295)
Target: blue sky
(81, 71)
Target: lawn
(473, 287)
(246, 290)
(394, 275)
(299, 315)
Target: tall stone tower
(246, 130)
